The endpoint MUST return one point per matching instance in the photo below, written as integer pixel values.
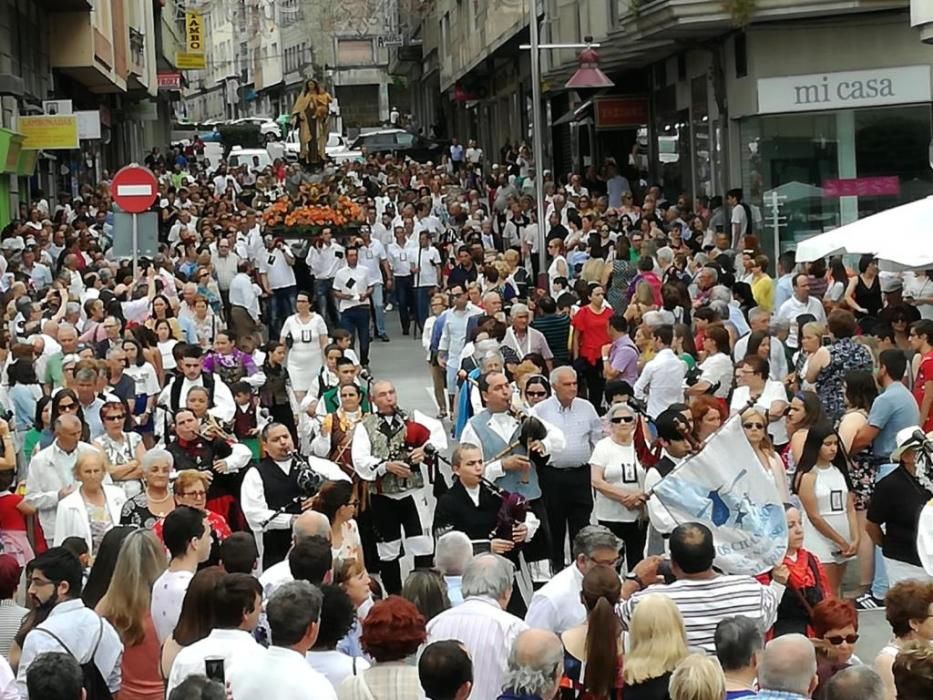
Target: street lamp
(587, 76)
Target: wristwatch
(632, 576)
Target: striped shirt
(487, 632)
(556, 331)
(11, 618)
(704, 604)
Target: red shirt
(924, 375)
(593, 330)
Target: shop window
(682, 66)
(702, 161)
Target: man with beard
(55, 581)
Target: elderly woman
(909, 611)
(619, 481)
(190, 489)
(206, 323)
(92, 509)
(392, 632)
(123, 451)
(155, 500)
(835, 632)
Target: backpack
(94, 683)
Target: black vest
(280, 490)
(179, 381)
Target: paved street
(402, 360)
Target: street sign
(134, 189)
(147, 235)
(190, 61)
(59, 132)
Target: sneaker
(389, 307)
(384, 338)
(867, 601)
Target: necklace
(158, 500)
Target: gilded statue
(311, 116)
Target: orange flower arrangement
(342, 212)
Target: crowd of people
(211, 487)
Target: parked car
(401, 143)
(254, 158)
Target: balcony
(86, 52)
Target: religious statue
(311, 115)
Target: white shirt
(427, 260)
(8, 687)
(243, 293)
(275, 266)
(278, 673)
(275, 576)
(621, 469)
(224, 407)
(168, 592)
(324, 262)
(717, 372)
(334, 665)
(557, 606)
(399, 259)
(792, 308)
(79, 628)
(371, 257)
(773, 391)
(662, 381)
(235, 646)
(360, 277)
(51, 470)
(487, 632)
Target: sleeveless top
(868, 298)
(844, 355)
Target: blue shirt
(894, 409)
(783, 289)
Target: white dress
(553, 272)
(832, 494)
(305, 357)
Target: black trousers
(633, 535)
(568, 496)
(594, 382)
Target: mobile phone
(214, 669)
(827, 340)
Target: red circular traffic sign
(134, 189)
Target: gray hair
(293, 608)
(594, 537)
(720, 293)
(311, 524)
(86, 374)
(490, 357)
(68, 326)
(487, 575)
(519, 309)
(557, 371)
(721, 308)
(713, 272)
(856, 683)
(534, 674)
(453, 552)
(737, 639)
(153, 457)
(788, 665)
(112, 352)
(665, 254)
(756, 312)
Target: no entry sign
(134, 189)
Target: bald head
(310, 524)
(855, 683)
(788, 665)
(535, 664)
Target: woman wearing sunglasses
(755, 425)
(123, 451)
(537, 389)
(835, 632)
(619, 481)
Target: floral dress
(862, 469)
(844, 355)
(136, 512)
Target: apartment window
(740, 49)
(355, 52)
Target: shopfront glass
(802, 171)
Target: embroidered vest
(493, 445)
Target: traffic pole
(135, 246)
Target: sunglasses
(67, 407)
(755, 426)
(535, 393)
(837, 640)
(622, 419)
(118, 416)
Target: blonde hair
(85, 457)
(813, 328)
(658, 639)
(347, 568)
(189, 477)
(698, 677)
(126, 603)
(765, 444)
(643, 294)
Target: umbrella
(895, 236)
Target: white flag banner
(925, 537)
(725, 487)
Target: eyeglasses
(195, 494)
(602, 562)
(755, 426)
(535, 394)
(68, 406)
(116, 416)
(38, 582)
(622, 419)
(839, 639)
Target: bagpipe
(416, 435)
(530, 430)
(513, 510)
